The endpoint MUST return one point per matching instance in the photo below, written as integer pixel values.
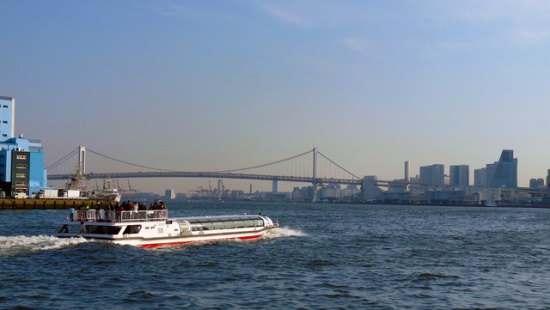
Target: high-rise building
(480, 177)
(460, 176)
(432, 175)
(536, 183)
(503, 173)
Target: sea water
(329, 256)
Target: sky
(219, 85)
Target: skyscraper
(432, 175)
(504, 173)
(480, 177)
(460, 175)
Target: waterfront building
(369, 190)
(504, 173)
(460, 176)
(398, 186)
(169, 194)
(351, 192)
(21, 160)
(330, 192)
(536, 183)
(302, 194)
(433, 175)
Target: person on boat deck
(154, 206)
(129, 206)
(97, 211)
(71, 213)
(107, 211)
(120, 210)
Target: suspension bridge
(311, 167)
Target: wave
(19, 244)
(283, 232)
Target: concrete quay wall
(47, 204)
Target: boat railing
(117, 216)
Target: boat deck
(100, 215)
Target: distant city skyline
(205, 86)
(501, 173)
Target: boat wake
(283, 232)
(20, 244)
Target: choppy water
(324, 256)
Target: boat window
(253, 223)
(218, 225)
(229, 224)
(239, 224)
(132, 229)
(102, 230)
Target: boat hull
(188, 240)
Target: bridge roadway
(212, 175)
(245, 176)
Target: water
(324, 256)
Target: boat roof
(220, 218)
(115, 217)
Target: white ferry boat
(111, 194)
(153, 228)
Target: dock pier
(47, 204)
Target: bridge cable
(337, 165)
(62, 160)
(224, 171)
(128, 163)
(264, 165)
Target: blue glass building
(21, 160)
(504, 173)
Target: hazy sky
(215, 85)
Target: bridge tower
(275, 187)
(82, 159)
(314, 177)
